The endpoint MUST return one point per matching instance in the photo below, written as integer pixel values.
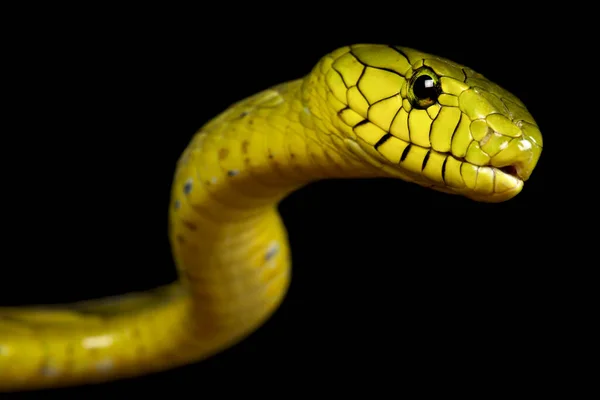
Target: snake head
(429, 120)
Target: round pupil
(425, 88)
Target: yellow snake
(363, 111)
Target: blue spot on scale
(187, 187)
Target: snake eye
(424, 88)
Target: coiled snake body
(363, 111)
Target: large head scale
(431, 121)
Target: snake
(363, 111)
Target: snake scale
(365, 110)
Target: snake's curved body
(363, 111)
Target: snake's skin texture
(363, 111)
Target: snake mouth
(511, 170)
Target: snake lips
(428, 120)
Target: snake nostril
(510, 170)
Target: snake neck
(228, 241)
(262, 148)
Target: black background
(390, 280)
